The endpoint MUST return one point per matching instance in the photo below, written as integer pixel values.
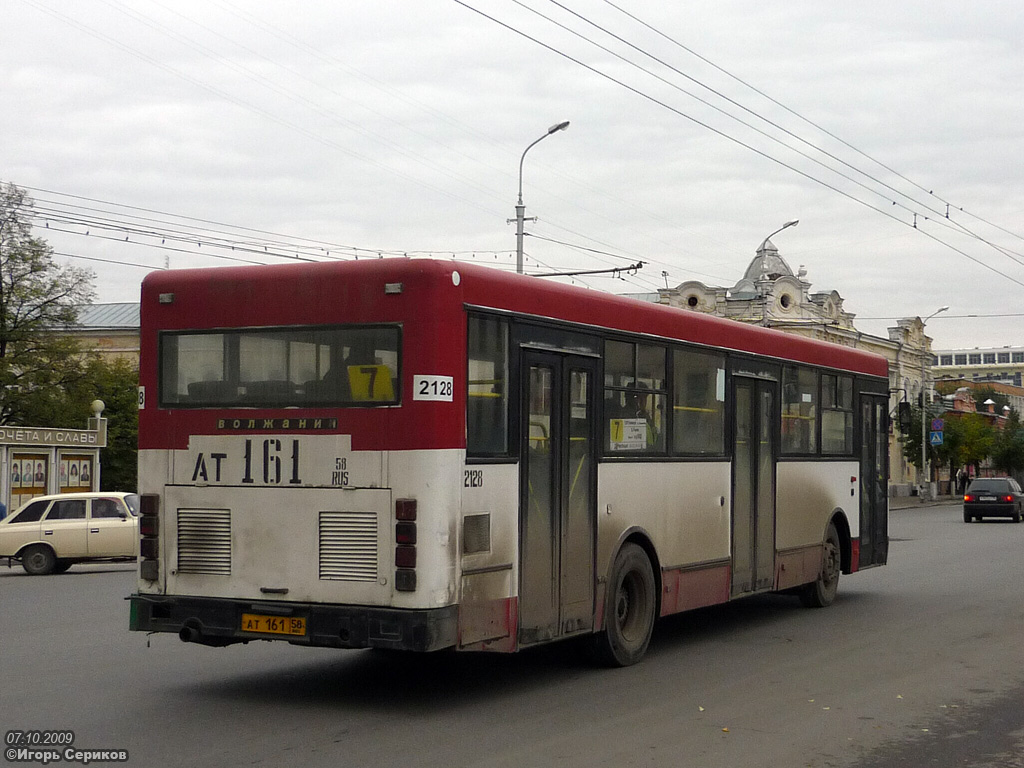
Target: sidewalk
(914, 502)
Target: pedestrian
(3, 510)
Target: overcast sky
(394, 126)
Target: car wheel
(822, 592)
(968, 518)
(62, 566)
(630, 608)
(38, 560)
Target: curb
(913, 502)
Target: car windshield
(990, 485)
(132, 500)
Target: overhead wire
(805, 119)
(224, 95)
(938, 215)
(663, 104)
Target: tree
(979, 437)
(912, 440)
(37, 298)
(1008, 450)
(952, 449)
(116, 384)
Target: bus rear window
(281, 367)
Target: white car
(49, 534)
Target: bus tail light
(149, 532)
(405, 545)
(405, 509)
(405, 533)
(405, 557)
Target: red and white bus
(417, 454)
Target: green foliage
(951, 452)
(1008, 451)
(967, 439)
(979, 437)
(37, 297)
(912, 439)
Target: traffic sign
(937, 425)
(936, 438)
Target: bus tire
(822, 591)
(38, 560)
(630, 605)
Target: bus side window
(698, 403)
(487, 387)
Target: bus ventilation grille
(476, 534)
(348, 546)
(204, 541)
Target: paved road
(920, 663)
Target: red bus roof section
(288, 294)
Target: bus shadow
(407, 682)
(410, 682)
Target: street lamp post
(924, 414)
(520, 208)
(764, 270)
(787, 225)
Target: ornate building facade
(772, 295)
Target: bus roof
(285, 290)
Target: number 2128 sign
(432, 388)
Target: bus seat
(211, 391)
(272, 391)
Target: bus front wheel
(630, 604)
(822, 592)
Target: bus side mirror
(904, 416)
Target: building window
(990, 358)
(974, 359)
(799, 410)
(946, 360)
(1004, 357)
(961, 359)
(1018, 357)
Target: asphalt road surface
(920, 663)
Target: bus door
(557, 495)
(874, 503)
(753, 485)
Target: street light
(764, 268)
(520, 208)
(924, 444)
(787, 225)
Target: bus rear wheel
(630, 604)
(822, 592)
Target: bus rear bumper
(218, 622)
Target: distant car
(994, 497)
(49, 534)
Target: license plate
(986, 498)
(273, 625)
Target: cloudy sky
(181, 133)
